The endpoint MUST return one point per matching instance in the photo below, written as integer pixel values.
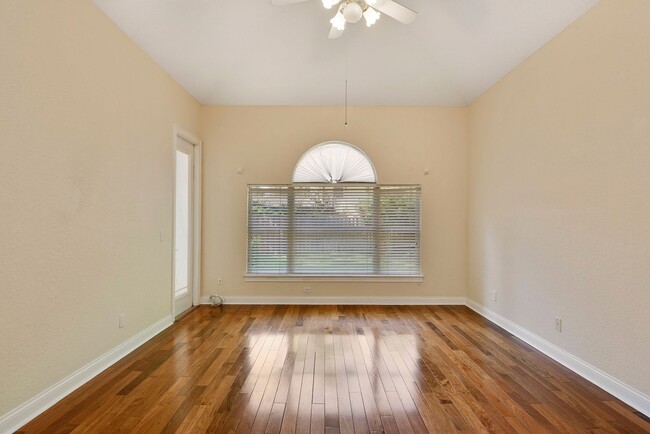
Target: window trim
(248, 277)
(289, 277)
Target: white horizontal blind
(268, 229)
(334, 229)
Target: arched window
(334, 162)
(334, 220)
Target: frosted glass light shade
(329, 3)
(334, 162)
(338, 21)
(371, 16)
(352, 12)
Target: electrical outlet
(558, 325)
(122, 320)
(494, 296)
(307, 289)
(220, 280)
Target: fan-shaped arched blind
(334, 162)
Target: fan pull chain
(346, 103)
(346, 83)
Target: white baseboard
(395, 301)
(622, 391)
(18, 417)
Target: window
(334, 162)
(334, 230)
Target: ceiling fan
(351, 11)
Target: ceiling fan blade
(396, 11)
(335, 33)
(285, 2)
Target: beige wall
(86, 174)
(558, 223)
(559, 191)
(402, 142)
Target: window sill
(329, 278)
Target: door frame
(196, 211)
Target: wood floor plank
(306, 391)
(331, 398)
(346, 421)
(267, 401)
(358, 413)
(292, 399)
(400, 419)
(367, 391)
(337, 369)
(317, 419)
(275, 418)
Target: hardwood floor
(338, 369)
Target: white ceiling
(249, 52)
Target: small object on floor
(216, 300)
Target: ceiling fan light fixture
(338, 21)
(371, 16)
(352, 11)
(327, 4)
